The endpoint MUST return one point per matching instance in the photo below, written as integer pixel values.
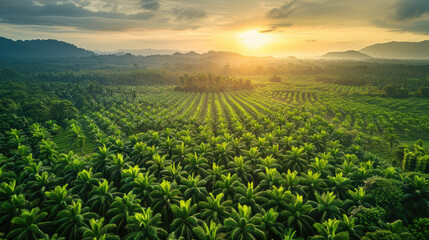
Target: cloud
(150, 4)
(27, 12)
(275, 27)
(188, 13)
(283, 11)
(411, 9)
(419, 26)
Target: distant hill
(10, 49)
(399, 50)
(347, 55)
(140, 52)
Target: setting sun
(254, 39)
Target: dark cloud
(188, 13)
(283, 11)
(150, 4)
(26, 12)
(419, 26)
(411, 9)
(275, 27)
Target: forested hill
(399, 50)
(10, 49)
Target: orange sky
(251, 27)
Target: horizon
(259, 28)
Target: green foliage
(420, 228)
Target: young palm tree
(207, 232)
(72, 220)
(269, 224)
(251, 197)
(242, 225)
(163, 197)
(339, 185)
(101, 197)
(121, 210)
(58, 199)
(115, 167)
(328, 206)
(98, 231)
(296, 160)
(224, 153)
(48, 153)
(157, 165)
(297, 216)
(143, 186)
(312, 184)
(196, 164)
(416, 198)
(28, 225)
(10, 209)
(228, 186)
(145, 225)
(100, 158)
(328, 231)
(84, 183)
(193, 188)
(185, 219)
(214, 209)
(241, 168)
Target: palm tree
(250, 197)
(207, 232)
(47, 154)
(322, 166)
(58, 199)
(128, 176)
(100, 158)
(228, 186)
(122, 209)
(296, 160)
(214, 209)
(269, 224)
(101, 197)
(348, 224)
(139, 153)
(145, 225)
(115, 167)
(328, 206)
(241, 169)
(416, 197)
(70, 221)
(10, 209)
(84, 183)
(42, 183)
(339, 185)
(270, 177)
(193, 188)
(297, 216)
(163, 197)
(97, 231)
(196, 164)
(157, 165)
(312, 184)
(185, 219)
(28, 225)
(328, 231)
(242, 225)
(143, 186)
(224, 153)
(214, 174)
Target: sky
(251, 27)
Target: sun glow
(254, 39)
